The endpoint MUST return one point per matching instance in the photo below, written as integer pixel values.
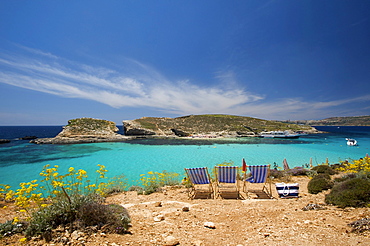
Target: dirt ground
(171, 218)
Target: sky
(122, 60)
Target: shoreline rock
(2, 141)
(77, 140)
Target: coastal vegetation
(353, 189)
(319, 183)
(153, 181)
(69, 200)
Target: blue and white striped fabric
(259, 173)
(226, 174)
(198, 175)
(287, 190)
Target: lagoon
(21, 161)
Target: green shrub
(81, 211)
(311, 173)
(11, 227)
(155, 180)
(345, 177)
(138, 189)
(116, 184)
(120, 219)
(319, 183)
(353, 192)
(322, 176)
(114, 216)
(324, 169)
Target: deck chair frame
(258, 178)
(227, 179)
(199, 182)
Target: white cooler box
(287, 190)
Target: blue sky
(120, 60)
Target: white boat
(278, 134)
(351, 142)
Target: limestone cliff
(85, 130)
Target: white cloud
(142, 86)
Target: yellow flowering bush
(4, 190)
(355, 166)
(152, 181)
(59, 199)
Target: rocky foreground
(170, 218)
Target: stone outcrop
(28, 138)
(133, 128)
(85, 130)
(4, 141)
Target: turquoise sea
(21, 161)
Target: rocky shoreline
(80, 139)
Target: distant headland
(336, 121)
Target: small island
(85, 130)
(208, 126)
(89, 130)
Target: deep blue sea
(21, 161)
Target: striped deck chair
(199, 182)
(227, 183)
(259, 175)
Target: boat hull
(290, 137)
(279, 134)
(351, 142)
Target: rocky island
(210, 126)
(85, 130)
(88, 130)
